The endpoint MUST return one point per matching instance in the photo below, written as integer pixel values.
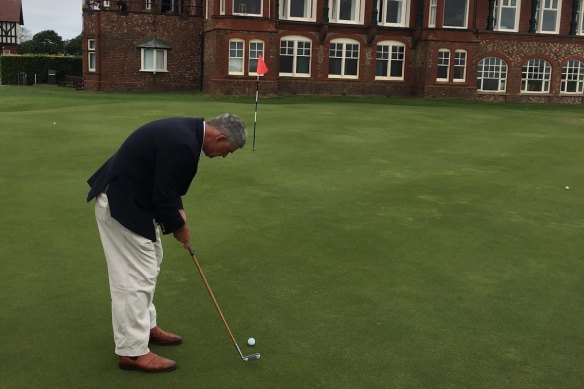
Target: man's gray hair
(232, 127)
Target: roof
(153, 43)
(11, 11)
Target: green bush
(12, 65)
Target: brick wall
(118, 59)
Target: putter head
(252, 357)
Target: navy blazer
(145, 179)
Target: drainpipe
(533, 20)
(201, 74)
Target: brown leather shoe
(149, 363)
(163, 338)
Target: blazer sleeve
(174, 172)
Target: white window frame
(148, 4)
(156, 52)
(105, 3)
(241, 8)
(222, 7)
(348, 47)
(393, 56)
(573, 71)
(536, 70)
(580, 19)
(544, 7)
(465, 25)
(432, 13)
(295, 51)
(241, 58)
(503, 6)
(460, 61)
(492, 68)
(443, 61)
(309, 10)
(335, 9)
(404, 13)
(91, 56)
(254, 54)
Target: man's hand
(183, 234)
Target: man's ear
(220, 138)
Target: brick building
(497, 50)
(10, 21)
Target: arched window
(389, 64)
(344, 58)
(573, 77)
(535, 77)
(492, 75)
(295, 54)
(459, 66)
(236, 56)
(256, 49)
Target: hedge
(31, 64)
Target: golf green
(365, 243)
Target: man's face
(218, 147)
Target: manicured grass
(366, 243)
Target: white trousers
(133, 264)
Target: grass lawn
(366, 243)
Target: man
(138, 195)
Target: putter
(246, 358)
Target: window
(536, 76)
(443, 65)
(298, 10)
(507, 15)
(347, 11)
(344, 59)
(247, 7)
(148, 4)
(459, 66)
(106, 3)
(548, 16)
(389, 64)
(236, 52)
(455, 13)
(580, 19)
(256, 49)
(91, 55)
(492, 75)
(221, 7)
(153, 60)
(573, 77)
(432, 14)
(295, 56)
(393, 12)
(168, 6)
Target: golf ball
(567, 188)
(251, 341)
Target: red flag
(262, 68)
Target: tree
(44, 42)
(73, 46)
(25, 34)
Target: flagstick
(255, 115)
